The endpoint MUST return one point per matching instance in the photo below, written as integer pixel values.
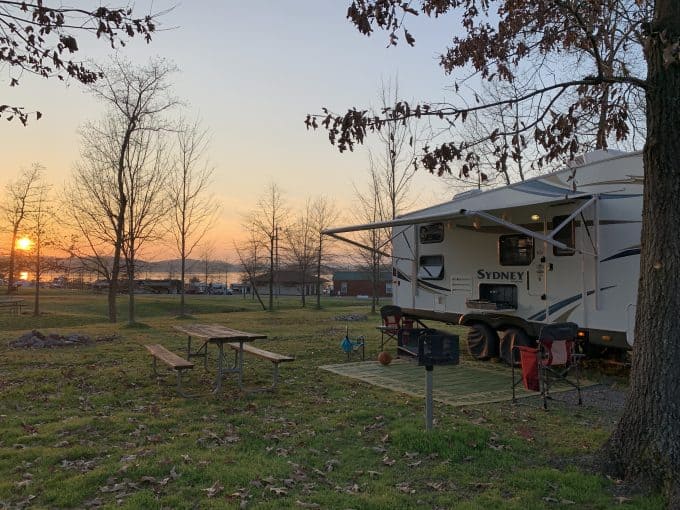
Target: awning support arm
(572, 216)
(522, 230)
(364, 247)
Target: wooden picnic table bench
(12, 305)
(172, 360)
(274, 357)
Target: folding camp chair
(349, 346)
(552, 361)
(391, 317)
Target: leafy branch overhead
(586, 60)
(39, 39)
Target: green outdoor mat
(469, 383)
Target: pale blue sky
(252, 70)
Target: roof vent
(593, 157)
(466, 194)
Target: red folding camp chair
(554, 360)
(391, 317)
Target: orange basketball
(385, 358)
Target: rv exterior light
(475, 223)
(535, 217)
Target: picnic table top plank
(215, 332)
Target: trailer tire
(482, 341)
(510, 338)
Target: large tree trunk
(645, 446)
(115, 267)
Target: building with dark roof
(360, 283)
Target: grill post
(428, 397)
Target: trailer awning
(522, 194)
(451, 211)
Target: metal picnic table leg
(203, 349)
(220, 357)
(240, 365)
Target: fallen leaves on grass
(306, 505)
(556, 501)
(80, 465)
(349, 489)
(437, 486)
(387, 461)
(211, 440)
(405, 488)
(26, 480)
(622, 499)
(214, 489)
(29, 429)
(330, 465)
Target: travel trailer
(562, 247)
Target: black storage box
(438, 348)
(408, 340)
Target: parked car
(219, 289)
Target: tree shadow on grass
(136, 325)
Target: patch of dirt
(37, 340)
(351, 317)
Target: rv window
(567, 236)
(433, 233)
(431, 267)
(515, 250)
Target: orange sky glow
(252, 78)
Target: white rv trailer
(562, 247)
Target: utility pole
(276, 275)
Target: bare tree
(508, 155)
(206, 256)
(267, 222)
(374, 240)
(35, 37)
(301, 245)
(248, 257)
(137, 98)
(20, 200)
(193, 207)
(146, 177)
(393, 162)
(324, 214)
(40, 227)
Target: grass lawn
(89, 427)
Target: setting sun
(24, 244)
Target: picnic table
(12, 305)
(218, 335)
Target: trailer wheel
(482, 341)
(511, 338)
